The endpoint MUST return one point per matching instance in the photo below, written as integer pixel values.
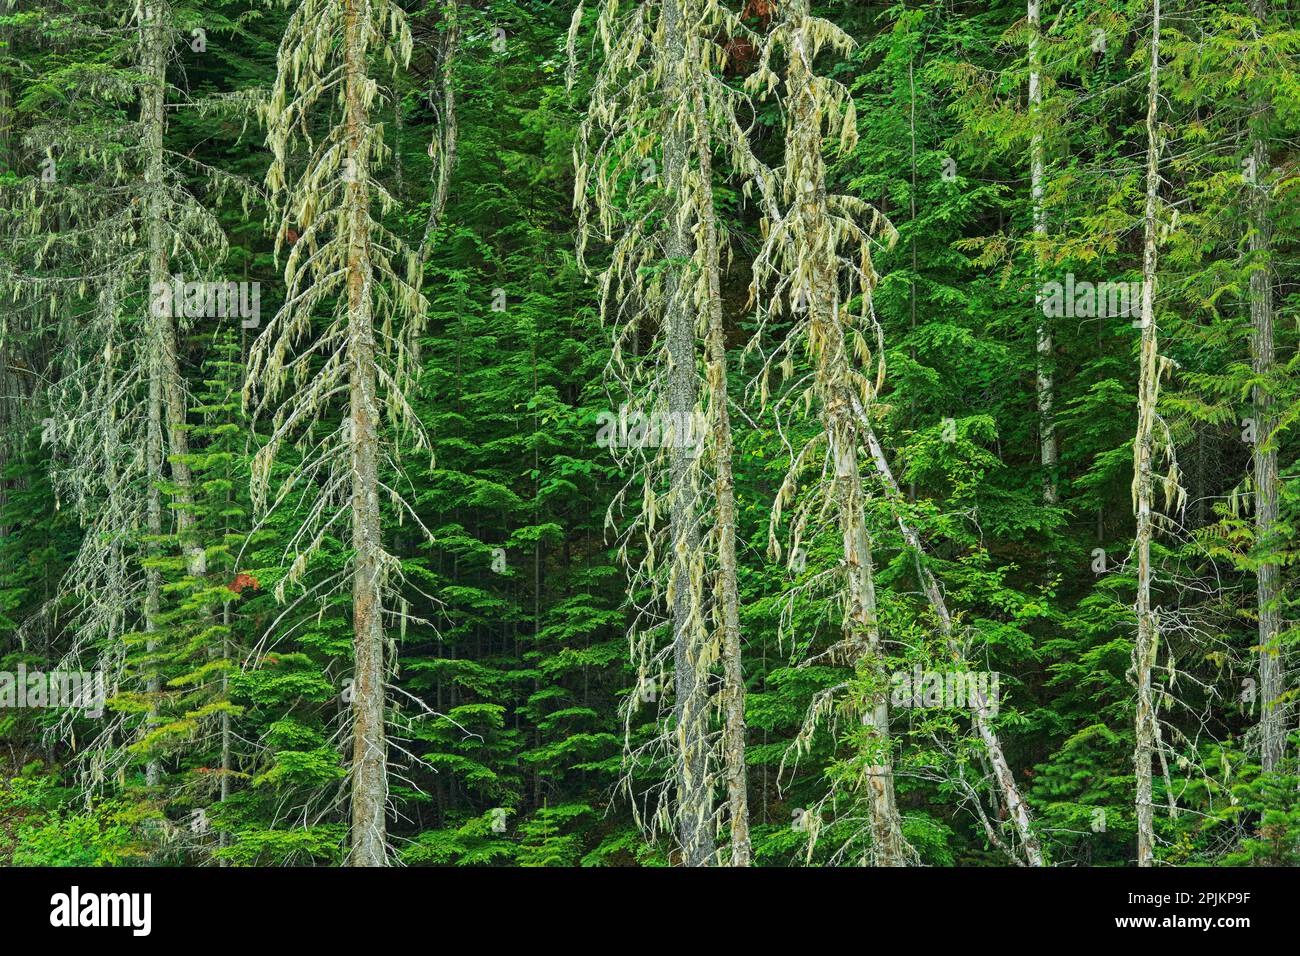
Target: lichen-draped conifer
(344, 342)
(816, 262)
(658, 110)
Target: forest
(642, 433)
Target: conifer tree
(657, 100)
(342, 261)
(809, 240)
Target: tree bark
(1148, 627)
(153, 62)
(369, 759)
(1046, 384)
(690, 674)
(862, 627)
(156, 45)
(728, 592)
(690, 705)
(1272, 732)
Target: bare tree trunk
(1272, 732)
(1148, 627)
(153, 56)
(442, 148)
(1046, 387)
(369, 769)
(690, 671)
(728, 593)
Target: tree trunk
(369, 770)
(153, 579)
(9, 403)
(1148, 627)
(1046, 386)
(153, 61)
(157, 43)
(1272, 732)
(835, 394)
(862, 628)
(728, 593)
(690, 670)
(980, 716)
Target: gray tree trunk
(694, 790)
(1046, 386)
(1272, 732)
(836, 396)
(154, 44)
(369, 757)
(1148, 627)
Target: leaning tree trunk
(1148, 627)
(981, 716)
(1272, 733)
(728, 593)
(1046, 386)
(369, 768)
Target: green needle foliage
(405, 565)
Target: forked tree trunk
(861, 626)
(1148, 627)
(981, 716)
(369, 759)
